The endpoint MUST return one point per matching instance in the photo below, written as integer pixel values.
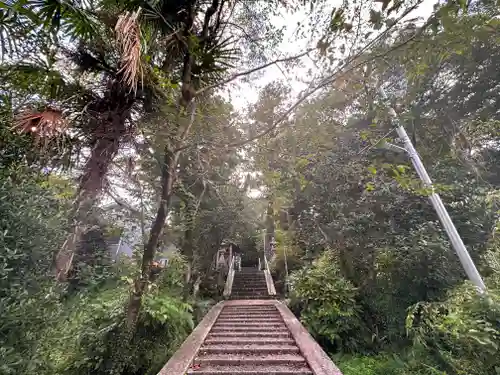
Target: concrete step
(256, 278)
(250, 293)
(250, 325)
(241, 340)
(256, 284)
(251, 370)
(250, 349)
(264, 307)
(248, 334)
(250, 312)
(240, 359)
(270, 315)
(216, 329)
(244, 320)
(244, 297)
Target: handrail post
(269, 280)
(229, 280)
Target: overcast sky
(242, 93)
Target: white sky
(243, 94)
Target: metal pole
(444, 217)
(118, 247)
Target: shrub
(326, 303)
(93, 338)
(384, 364)
(462, 334)
(32, 222)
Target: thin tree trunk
(168, 177)
(188, 94)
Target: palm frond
(64, 15)
(128, 34)
(44, 126)
(15, 25)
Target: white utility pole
(456, 241)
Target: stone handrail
(269, 280)
(229, 280)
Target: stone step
(251, 314)
(262, 307)
(237, 340)
(249, 275)
(268, 315)
(244, 320)
(248, 329)
(258, 359)
(244, 297)
(251, 370)
(250, 349)
(250, 325)
(250, 291)
(257, 284)
(248, 278)
(248, 334)
(254, 312)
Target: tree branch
(245, 73)
(341, 70)
(122, 203)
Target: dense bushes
(459, 335)
(327, 305)
(78, 327)
(91, 335)
(31, 228)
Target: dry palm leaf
(128, 34)
(44, 126)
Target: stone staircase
(249, 340)
(249, 283)
(251, 334)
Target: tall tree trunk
(106, 146)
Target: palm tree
(110, 63)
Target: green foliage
(327, 305)
(45, 329)
(92, 338)
(385, 364)
(31, 227)
(173, 277)
(463, 332)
